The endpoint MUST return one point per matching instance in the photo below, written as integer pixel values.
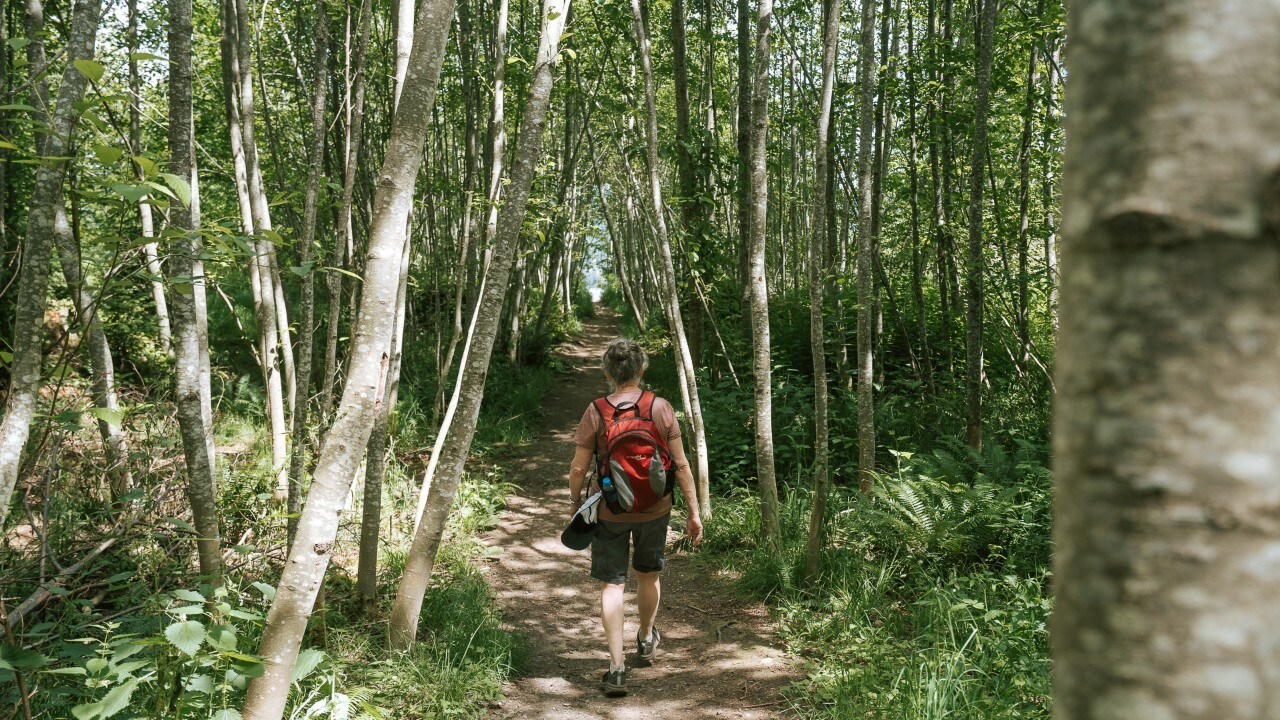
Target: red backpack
(634, 469)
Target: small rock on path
(718, 657)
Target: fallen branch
(45, 592)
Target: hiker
(650, 424)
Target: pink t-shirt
(590, 433)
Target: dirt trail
(718, 657)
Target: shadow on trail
(717, 658)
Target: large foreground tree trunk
(1167, 438)
(762, 356)
(33, 278)
(190, 315)
(364, 390)
(465, 405)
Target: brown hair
(624, 360)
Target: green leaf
(243, 615)
(106, 154)
(188, 610)
(107, 415)
(267, 591)
(344, 272)
(6, 145)
(308, 661)
(186, 636)
(223, 637)
(18, 106)
(201, 684)
(176, 522)
(90, 69)
(18, 43)
(127, 669)
(132, 193)
(227, 714)
(14, 657)
(88, 711)
(188, 595)
(249, 669)
(143, 56)
(180, 187)
(117, 699)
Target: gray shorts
(611, 545)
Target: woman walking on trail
(645, 528)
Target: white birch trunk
(762, 362)
(190, 314)
(685, 368)
(465, 406)
(33, 278)
(364, 390)
(1166, 433)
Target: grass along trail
(718, 658)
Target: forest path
(718, 658)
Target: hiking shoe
(614, 682)
(646, 649)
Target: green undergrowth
(157, 644)
(932, 598)
(463, 654)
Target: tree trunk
(33, 278)
(375, 469)
(762, 361)
(615, 243)
(190, 315)
(465, 406)
(973, 276)
(354, 136)
(1165, 420)
(306, 336)
(266, 310)
(686, 369)
(818, 269)
(497, 125)
(1024, 206)
(744, 148)
(1047, 199)
(913, 169)
(101, 363)
(365, 386)
(151, 250)
(866, 249)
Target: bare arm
(578, 473)
(684, 476)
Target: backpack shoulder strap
(604, 410)
(645, 404)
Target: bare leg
(612, 613)
(647, 596)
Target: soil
(719, 657)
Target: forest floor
(719, 656)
